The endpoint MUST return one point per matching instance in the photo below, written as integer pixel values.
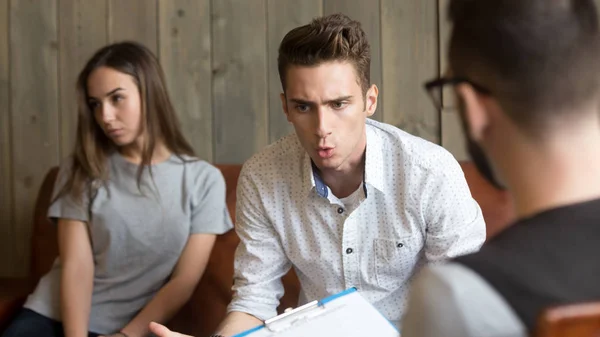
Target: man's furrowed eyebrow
(337, 99)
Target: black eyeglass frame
(444, 81)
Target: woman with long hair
(137, 211)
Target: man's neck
(564, 171)
(343, 183)
(346, 179)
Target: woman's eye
(117, 98)
(93, 105)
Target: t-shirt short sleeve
(209, 208)
(67, 206)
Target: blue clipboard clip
(291, 317)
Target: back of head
(334, 37)
(539, 58)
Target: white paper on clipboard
(345, 314)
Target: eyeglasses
(435, 87)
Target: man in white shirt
(346, 201)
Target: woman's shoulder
(200, 169)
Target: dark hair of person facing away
(159, 120)
(539, 58)
(334, 37)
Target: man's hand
(163, 331)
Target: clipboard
(345, 314)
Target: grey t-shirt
(451, 300)
(136, 238)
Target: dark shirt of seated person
(137, 212)
(526, 78)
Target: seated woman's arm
(77, 276)
(180, 287)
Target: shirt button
(340, 210)
(349, 251)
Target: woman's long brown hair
(159, 120)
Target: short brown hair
(539, 58)
(334, 37)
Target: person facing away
(345, 201)
(137, 212)
(526, 74)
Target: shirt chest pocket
(395, 260)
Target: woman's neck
(134, 153)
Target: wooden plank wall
(220, 61)
(7, 250)
(33, 112)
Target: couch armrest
(13, 292)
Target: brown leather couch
(207, 306)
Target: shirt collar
(374, 172)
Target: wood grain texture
(134, 20)
(410, 57)
(448, 96)
(239, 79)
(369, 15)
(82, 31)
(34, 117)
(453, 138)
(185, 55)
(6, 196)
(283, 16)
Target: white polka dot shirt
(414, 207)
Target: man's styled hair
(334, 37)
(536, 56)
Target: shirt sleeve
(455, 224)
(453, 301)
(260, 260)
(209, 207)
(67, 206)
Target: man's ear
(475, 112)
(371, 100)
(284, 106)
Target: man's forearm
(237, 322)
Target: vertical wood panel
(185, 48)
(82, 31)
(239, 79)
(34, 117)
(133, 20)
(410, 57)
(445, 30)
(368, 14)
(283, 16)
(452, 135)
(6, 210)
